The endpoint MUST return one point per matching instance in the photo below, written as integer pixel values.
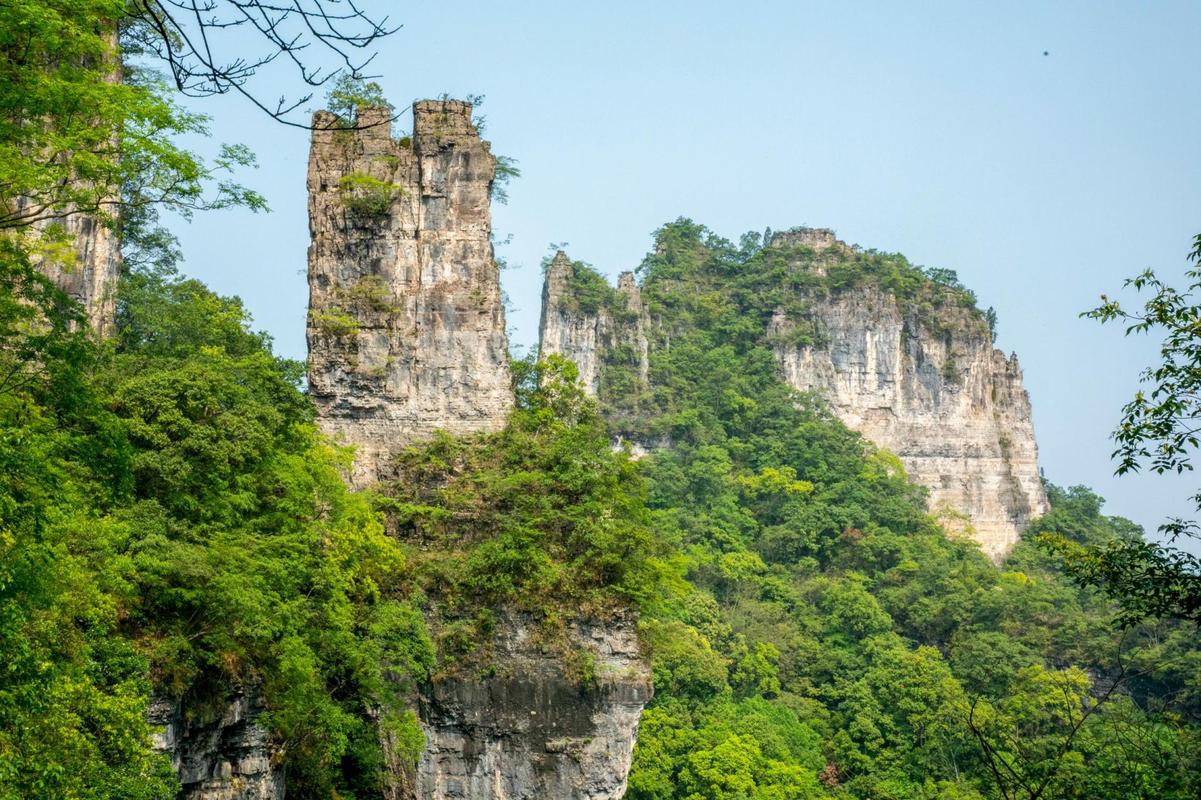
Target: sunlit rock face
(90, 278)
(931, 389)
(949, 405)
(533, 727)
(406, 325)
(587, 337)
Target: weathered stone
(406, 326)
(529, 730)
(91, 278)
(585, 338)
(950, 406)
(219, 753)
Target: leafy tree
(350, 92)
(172, 521)
(1159, 430)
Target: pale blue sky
(939, 130)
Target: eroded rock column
(406, 325)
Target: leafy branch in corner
(1160, 429)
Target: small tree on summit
(349, 93)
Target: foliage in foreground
(171, 522)
(170, 517)
(1159, 429)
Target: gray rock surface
(529, 730)
(584, 337)
(219, 753)
(951, 407)
(91, 278)
(406, 326)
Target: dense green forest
(173, 523)
(827, 637)
(174, 526)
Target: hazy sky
(1045, 151)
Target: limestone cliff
(406, 327)
(90, 278)
(601, 328)
(528, 728)
(406, 336)
(219, 752)
(89, 275)
(925, 384)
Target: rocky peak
(406, 325)
(814, 238)
(926, 385)
(585, 333)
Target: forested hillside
(174, 525)
(830, 638)
(176, 530)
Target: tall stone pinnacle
(406, 325)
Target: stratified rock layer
(219, 753)
(406, 326)
(949, 405)
(529, 730)
(933, 391)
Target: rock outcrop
(219, 753)
(90, 277)
(532, 728)
(951, 407)
(587, 336)
(406, 326)
(930, 389)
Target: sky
(1044, 151)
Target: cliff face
(91, 279)
(591, 334)
(220, 753)
(944, 401)
(928, 386)
(528, 729)
(406, 327)
(406, 336)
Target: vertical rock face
(949, 405)
(933, 391)
(589, 335)
(529, 730)
(91, 279)
(406, 326)
(222, 754)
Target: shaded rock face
(934, 392)
(220, 755)
(406, 327)
(531, 731)
(586, 338)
